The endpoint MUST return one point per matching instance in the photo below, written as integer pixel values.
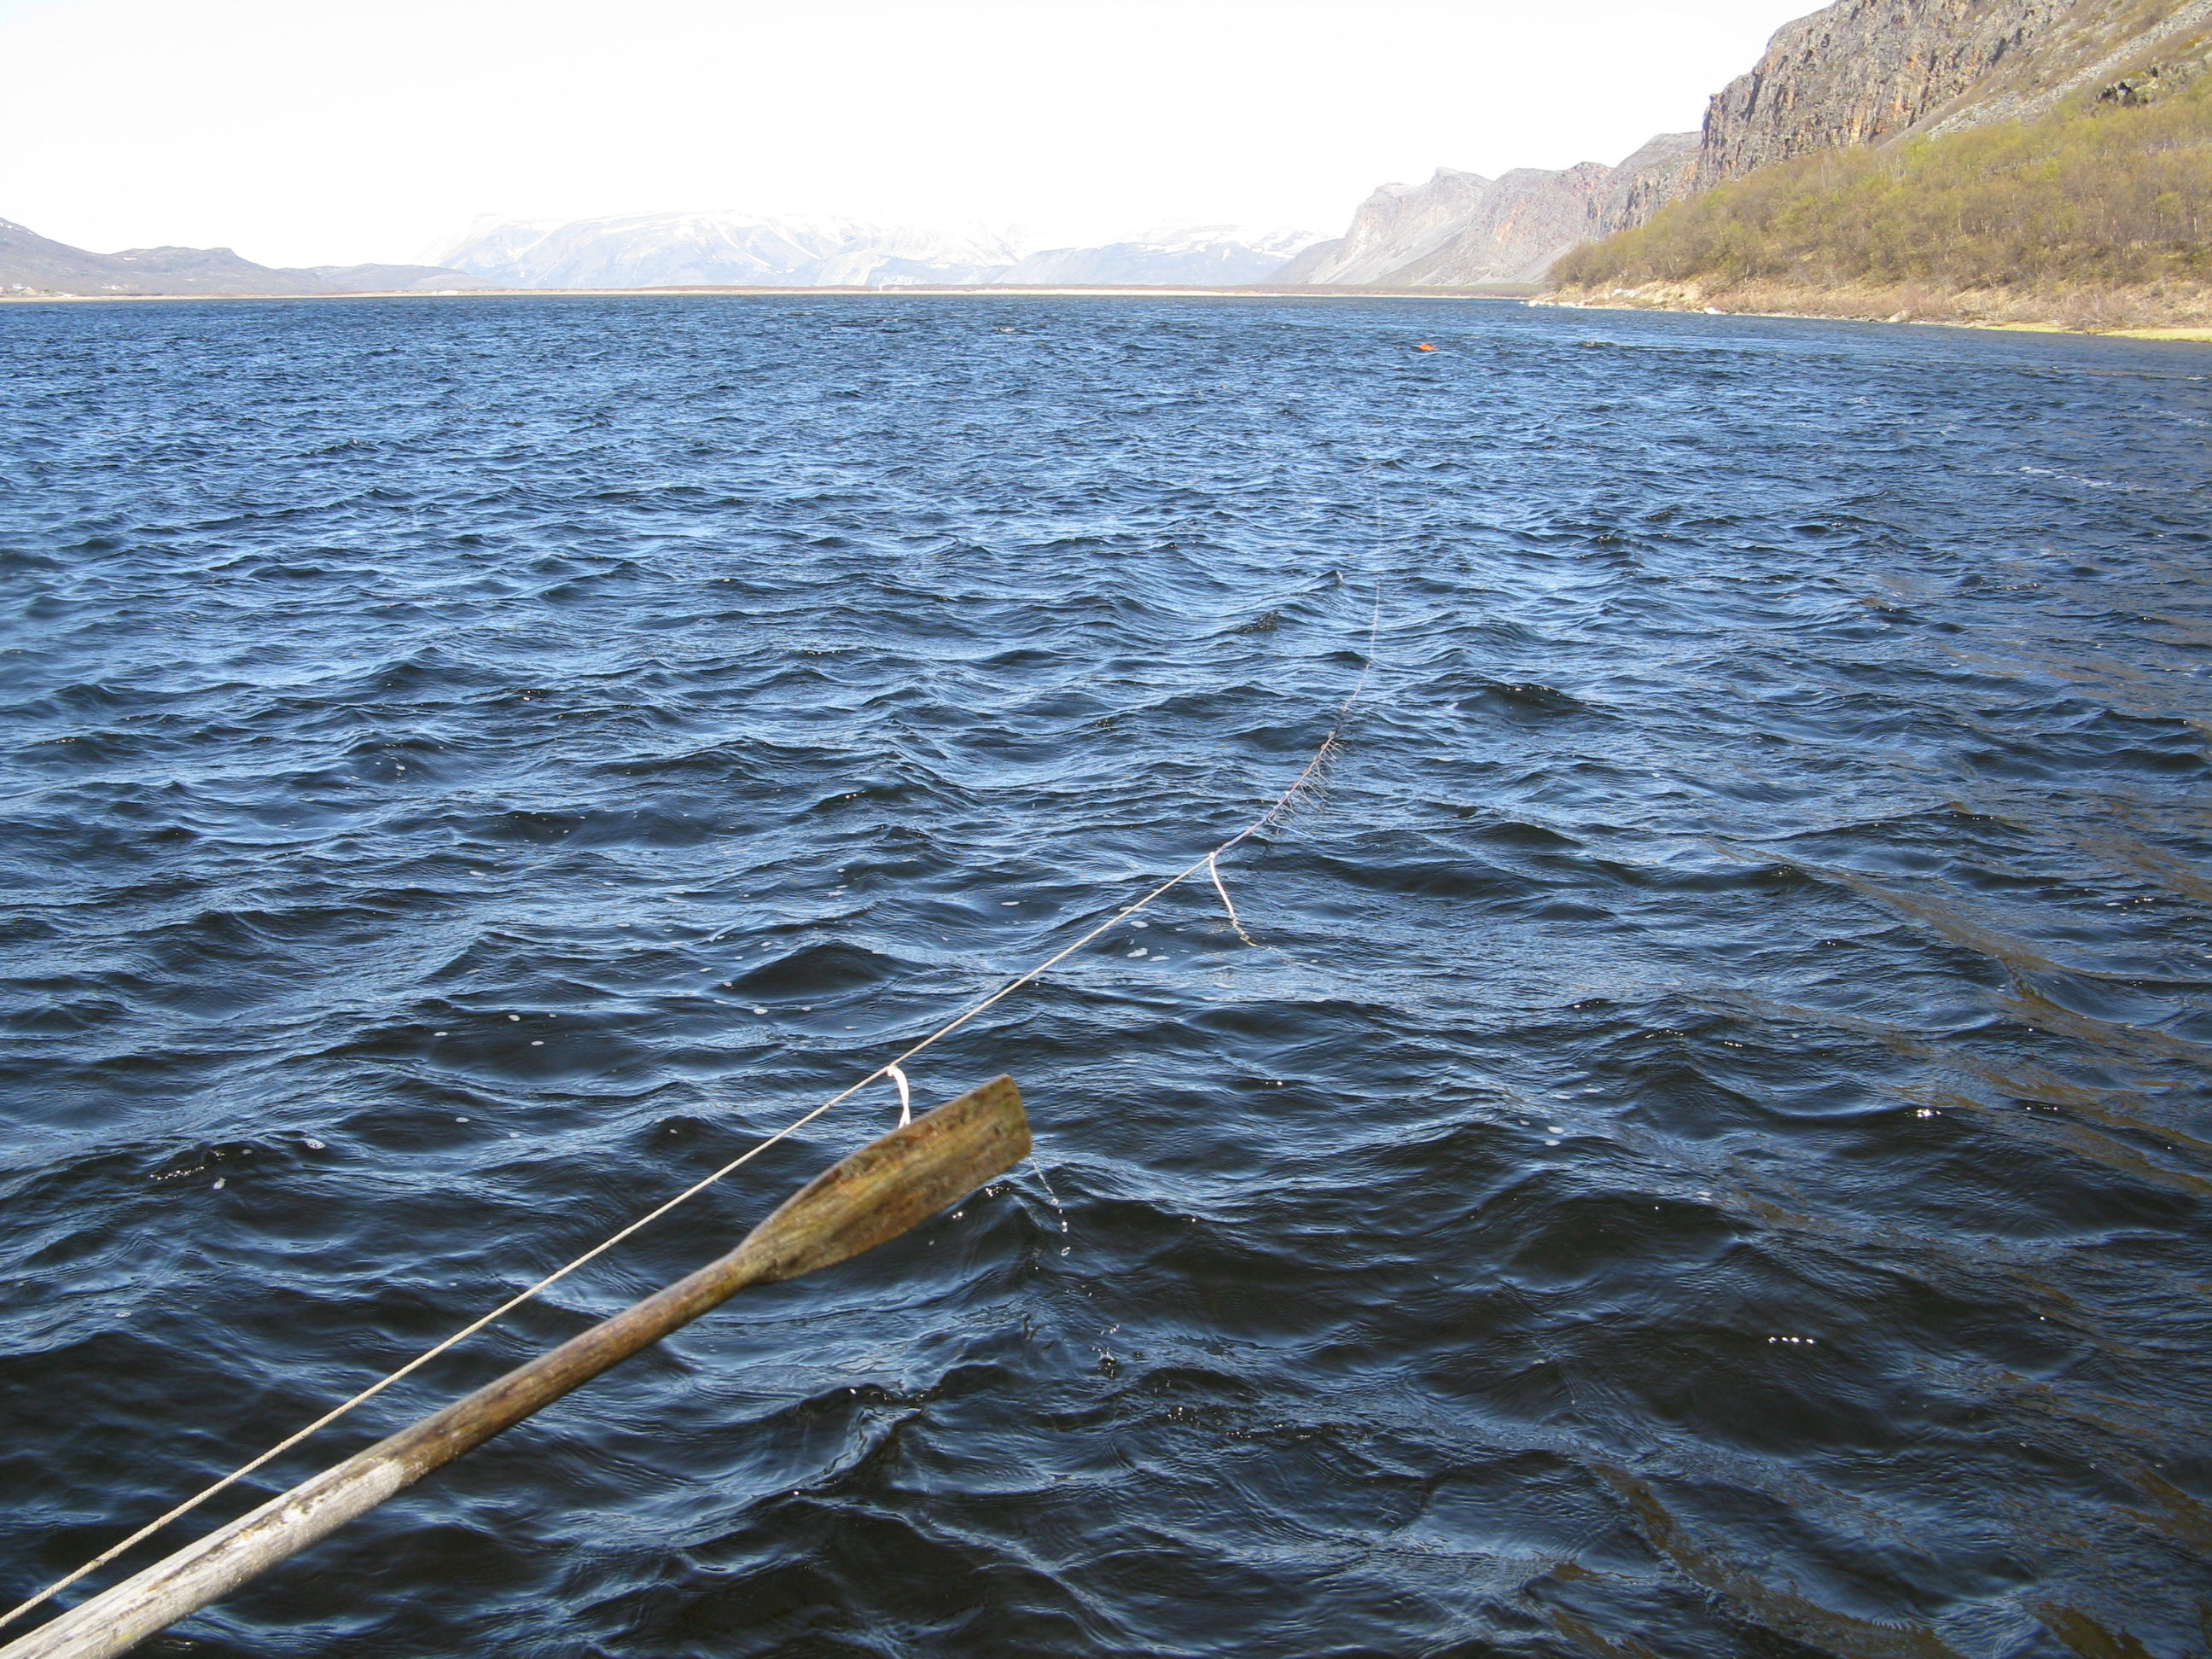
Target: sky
(336, 131)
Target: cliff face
(1460, 229)
(1663, 170)
(1395, 226)
(1524, 222)
(1864, 71)
(1860, 71)
(2122, 50)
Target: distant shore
(2097, 314)
(1501, 291)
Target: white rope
(890, 1069)
(1214, 870)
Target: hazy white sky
(328, 132)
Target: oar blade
(891, 1185)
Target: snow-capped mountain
(1202, 256)
(685, 250)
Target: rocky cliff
(1663, 170)
(1524, 222)
(1862, 70)
(1401, 223)
(1462, 230)
(2121, 51)
(1869, 71)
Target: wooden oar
(874, 1195)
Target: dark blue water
(1709, 1154)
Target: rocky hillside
(1867, 71)
(2092, 217)
(31, 266)
(1856, 73)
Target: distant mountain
(31, 265)
(1460, 229)
(725, 250)
(1209, 256)
(733, 250)
(395, 279)
(666, 250)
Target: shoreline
(1689, 305)
(1518, 294)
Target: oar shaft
(876, 1195)
(118, 1618)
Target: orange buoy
(1424, 346)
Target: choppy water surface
(1708, 1155)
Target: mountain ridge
(660, 251)
(738, 250)
(722, 249)
(35, 266)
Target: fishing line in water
(892, 1070)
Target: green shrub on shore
(2106, 196)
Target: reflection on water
(1708, 1153)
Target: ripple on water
(1708, 1153)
